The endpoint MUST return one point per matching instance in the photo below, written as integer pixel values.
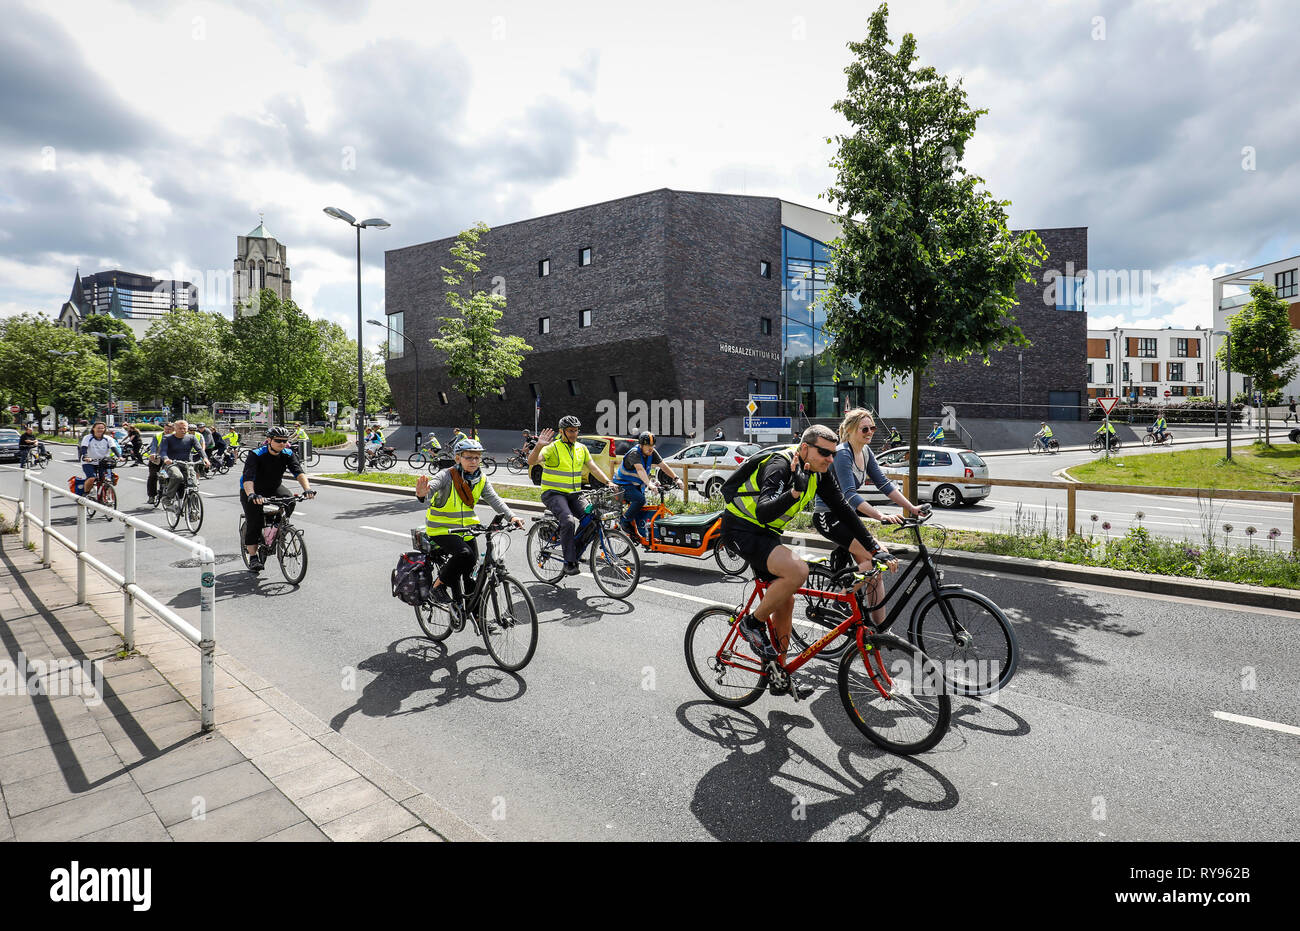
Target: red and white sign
(1168, 393)
(1107, 405)
(14, 408)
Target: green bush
(327, 438)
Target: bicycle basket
(609, 502)
(420, 540)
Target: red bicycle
(893, 693)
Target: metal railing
(204, 638)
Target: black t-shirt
(266, 470)
(632, 459)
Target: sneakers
(440, 595)
(779, 682)
(755, 633)
(255, 563)
(571, 568)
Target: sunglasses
(828, 453)
(869, 429)
(276, 439)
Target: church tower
(260, 262)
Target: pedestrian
(719, 437)
(1291, 414)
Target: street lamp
(379, 224)
(1228, 365)
(1020, 385)
(109, 337)
(416, 352)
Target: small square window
(442, 396)
(573, 387)
(532, 386)
(543, 268)
(616, 383)
(543, 324)
(584, 318)
(584, 256)
(765, 326)
(765, 269)
(501, 393)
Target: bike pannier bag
(535, 474)
(412, 582)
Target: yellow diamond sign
(751, 407)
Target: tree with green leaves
(925, 267)
(33, 376)
(1264, 346)
(275, 351)
(478, 358)
(181, 354)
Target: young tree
(925, 268)
(33, 375)
(1264, 346)
(479, 358)
(275, 351)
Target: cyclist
(232, 438)
(563, 464)
(155, 463)
(632, 476)
(182, 445)
(134, 443)
(94, 447)
(27, 445)
(299, 432)
(263, 476)
(1107, 432)
(452, 496)
(895, 438)
(1159, 427)
(457, 436)
(1044, 435)
(761, 500)
(719, 436)
(936, 436)
(530, 440)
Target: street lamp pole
(1020, 384)
(1228, 365)
(108, 338)
(416, 352)
(381, 224)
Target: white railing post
(25, 510)
(208, 631)
(81, 548)
(45, 526)
(128, 598)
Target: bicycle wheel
(729, 561)
(899, 702)
(193, 511)
(108, 498)
(243, 454)
(615, 563)
(350, 462)
(313, 460)
(545, 556)
(981, 654)
(243, 550)
(731, 676)
(509, 624)
(1148, 440)
(816, 615)
(516, 465)
(435, 620)
(291, 550)
(416, 460)
(172, 508)
(489, 465)
(1033, 448)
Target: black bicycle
(279, 537)
(187, 503)
(499, 607)
(427, 451)
(38, 457)
(960, 629)
(614, 560)
(1099, 443)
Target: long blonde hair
(851, 421)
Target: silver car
(710, 463)
(944, 461)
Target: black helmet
(568, 421)
(277, 433)
(646, 438)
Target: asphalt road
(1108, 732)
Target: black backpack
(731, 487)
(412, 579)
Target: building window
(1126, 378)
(543, 268)
(1200, 371)
(1150, 371)
(1285, 283)
(1088, 380)
(765, 326)
(543, 325)
(1180, 348)
(765, 269)
(1149, 391)
(1106, 354)
(584, 256)
(616, 383)
(442, 397)
(1110, 373)
(532, 386)
(1068, 292)
(1146, 348)
(584, 318)
(396, 325)
(1176, 371)
(573, 387)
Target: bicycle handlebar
(282, 499)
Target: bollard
(45, 526)
(25, 511)
(208, 633)
(128, 599)
(686, 484)
(1069, 511)
(81, 548)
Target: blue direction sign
(763, 397)
(767, 424)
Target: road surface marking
(396, 533)
(1258, 722)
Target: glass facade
(396, 324)
(807, 374)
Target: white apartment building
(1152, 366)
(1231, 291)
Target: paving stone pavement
(99, 745)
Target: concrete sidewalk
(127, 761)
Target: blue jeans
(634, 495)
(568, 510)
(1043, 440)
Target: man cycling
(781, 485)
(936, 436)
(94, 447)
(1107, 432)
(457, 436)
(632, 476)
(181, 446)
(27, 446)
(895, 438)
(530, 440)
(155, 463)
(563, 464)
(452, 496)
(1159, 427)
(263, 477)
(1044, 435)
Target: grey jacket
(851, 478)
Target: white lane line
(1258, 722)
(673, 594)
(395, 533)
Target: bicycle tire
(313, 460)
(815, 616)
(385, 461)
(108, 498)
(192, 509)
(510, 629)
(915, 715)
(992, 648)
(543, 555)
(1034, 448)
(516, 465)
(488, 465)
(350, 462)
(172, 508)
(615, 564)
(730, 562)
(416, 460)
(291, 550)
(706, 633)
(243, 550)
(1148, 440)
(434, 620)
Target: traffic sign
(767, 424)
(751, 407)
(14, 408)
(1168, 393)
(1107, 405)
(763, 397)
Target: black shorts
(751, 541)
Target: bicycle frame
(708, 542)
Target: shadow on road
(575, 609)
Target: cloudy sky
(147, 135)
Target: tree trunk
(915, 495)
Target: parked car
(940, 460)
(9, 444)
(702, 457)
(606, 451)
(320, 423)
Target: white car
(703, 457)
(940, 460)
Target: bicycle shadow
(233, 584)
(743, 798)
(571, 608)
(402, 672)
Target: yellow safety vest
(744, 503)
(454, 513)
(567, 474)
(1047, 433)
